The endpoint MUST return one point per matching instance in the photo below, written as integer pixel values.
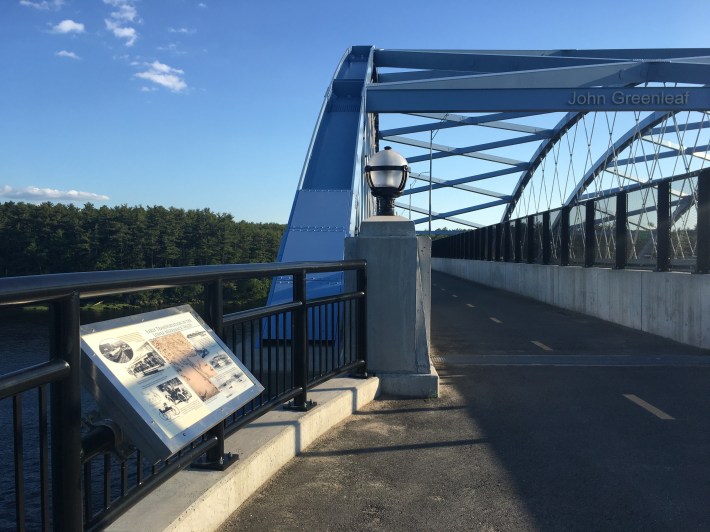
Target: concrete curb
(203, 500)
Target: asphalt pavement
(547, 420)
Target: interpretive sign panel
(165, 377)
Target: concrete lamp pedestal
(398, 304)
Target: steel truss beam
(676, 149)
(449, 120)
(435, 216)
(444, 183)
(469, 151)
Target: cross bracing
(496, 135)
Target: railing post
(215, 458)
(564, 236)
(663, 230)
(589, 234)
(491, 242)
(507, 242)
(703, 236)
(299, 333)
(546, 238)
(622, 233)
(531, 240)
(499, 241)
(65, 411)
(519, 240)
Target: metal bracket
(222, 464)
(293, 407)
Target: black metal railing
(83, 478)
(662, 226)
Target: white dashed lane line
(495, 320)
(647, 406)
(470, 305)
(541, 345)
(454, 295)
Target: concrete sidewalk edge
(203, 500)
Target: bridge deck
(606, 430)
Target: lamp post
(386, 175)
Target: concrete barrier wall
(670, 304)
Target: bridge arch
(509, 114)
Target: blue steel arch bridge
(493, 135)
(497, 142)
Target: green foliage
(48, 238)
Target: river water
(24, 342)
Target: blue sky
(212, 103)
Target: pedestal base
(420, 385)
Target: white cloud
(184, 31)
(125, 12)
(68, 26)
(49, 194)
(70, 55)
(164, 75)
(43, 4)
(202, 4)
(121, 32)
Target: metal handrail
(33, 288)
(70, 449)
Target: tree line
(58, 238)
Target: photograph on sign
(167, 369)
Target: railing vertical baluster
(703, 234)
(88, 493)
(269, 353)
(139, 468)
(589, 234)
(107, 480)
(564, 236)
(19, 448)
(65, 414)
(124, 478)
(43, 456)
(622, 231)
(278, 353)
